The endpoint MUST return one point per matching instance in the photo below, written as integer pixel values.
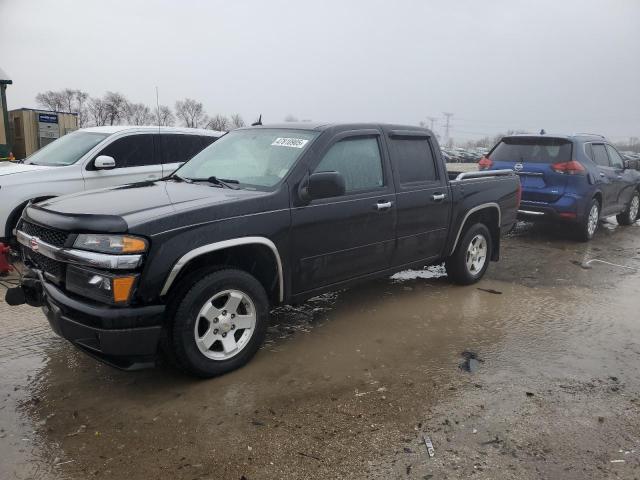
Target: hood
(7, 168)
(135, 204)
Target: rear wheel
(219, 323)
(470, 260)
(589, 224)
(630, 215)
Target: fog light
(101, 286)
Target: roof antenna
(542, 132)
(258, 122)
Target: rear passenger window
(131, 151)
(176, 148)
(414, 159)
(359, 162)
(600, 154)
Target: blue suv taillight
(569, 168)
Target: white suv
(93, 158)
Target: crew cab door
(340, 238)
(422, 193)
(135, 162)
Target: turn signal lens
(122, 287)
(133, 245)
(485, 163)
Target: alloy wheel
(476, 254)
(225, 324)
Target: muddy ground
(348, 384)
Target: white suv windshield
(67, 149)
(259, 157)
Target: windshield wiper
(222, 182)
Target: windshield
(67, 149)
(259, 157)
(532, 150)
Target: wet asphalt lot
(347, 384)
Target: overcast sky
(567, 66)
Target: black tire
(628, 217)
(187, 306)
(456, 265)
(584, 232)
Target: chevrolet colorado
(192, 263)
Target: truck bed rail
(484, 174)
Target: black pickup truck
(191, 264)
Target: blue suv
(573, 178)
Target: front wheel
(219, 323)
(630, 215)
(470, 260)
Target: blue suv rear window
(532, 150)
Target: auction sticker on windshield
(290, 142)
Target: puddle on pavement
(471, 362)
(338, 375)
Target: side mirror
(324, 185)
(104, 162)
(631, 164)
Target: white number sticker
(290, 142)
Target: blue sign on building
(47, 118)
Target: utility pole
(431, 121)
(447, 125)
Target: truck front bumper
(126, 338)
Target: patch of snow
(436, 271)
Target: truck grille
(46, 264)
(57, 238)
(53, 237)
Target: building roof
(4, 78)
(150, 128)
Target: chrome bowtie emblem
(34, 244)
(517, 167)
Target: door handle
(384, 205)
(602, 174)
(438, 197)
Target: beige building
(33, 129)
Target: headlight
(116, 244)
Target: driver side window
(131, 151)
(358, 160)
(615, 158)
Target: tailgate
(532, 159)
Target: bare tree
(290, 118)
(164, 116)
(219, 123)
(237, 121)
(97, 111)
(191, 113)
(51, 100)
(117, 107)
(81, 98)
(139, 114)
(66, 100)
